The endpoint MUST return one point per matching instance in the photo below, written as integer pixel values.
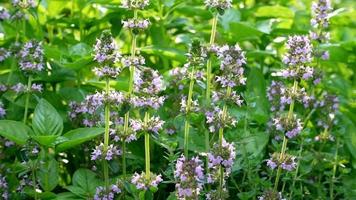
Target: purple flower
(106, 55)
(190, 175)
(2, 110)
(286, 162)
(219, 4)
(136, 24)
(142, 183)
(4, 53)
(299, 51)
(31, 57)
(102, 194)
(100, 153)
(4, 14)
(135, 4)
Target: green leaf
(274, 12)
(79, 136)
(45, 140)
(240, 31)
(46, 120)
(86, 180)
(256, 96)
(15, 131)
(48, 174)
(170, 53)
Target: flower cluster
(108, 154)
(218, 4)
(271, 195)
(197, 55)
(92, 104)
(106, 55)
(153, 124)
(299, 51)
(4, 14)
(290, 126)
(147, 85)
(20, 88)
(135, 4)
(320, 21)
(143, 184)
(136, 61)
(190, 176)
(24, 3)
(31, 57)
(217, 118)
(223, 155)
(285, 161)
(194, 106)
(232, 58)
(180, 74)
(102, 194)
(4, 188)
(136, 24)
(328, 106)
(280, 95)
(121, 134)
(320, 13)
(2, 110)
(233, 97)
(4, 53)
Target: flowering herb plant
(171, 99)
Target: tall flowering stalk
(135, 25)
(147, 86)
(217, 7)
(286, 124)
(221, 158)
(106, 56)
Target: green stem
(189, 103)
(106, 134)
(208, 80)
(297, 169)
(281, 156)
(131, 82)
(147, 148)
(208, 66)
(334, 171)
(34, 179)
(221, 137)
(28, 94)
(124, 159)
(285, 140)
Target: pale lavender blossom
(218, 4)
(271, 195)
(4, 188)
(106, 55)
(2, 110)
(299, 51)
(31, 57)
(189, 174)
(24, 4)
(4, 14)
(102, 194)
(108, 154)
(4, 53)
(320, 13)
(216, 119)
(136, 61)
(141, 183)
(135, 4)
(286, 162)
(291, 127)
(136, 24)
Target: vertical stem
(124, 159)
(131, 82)
(106, 134)
(221, 137)
(189, 103)
(334, 171)
(208, 66)
(297, 169)
(34, 179)
(147, 148)
(285, 140)
(208, 80)
(28, 94)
